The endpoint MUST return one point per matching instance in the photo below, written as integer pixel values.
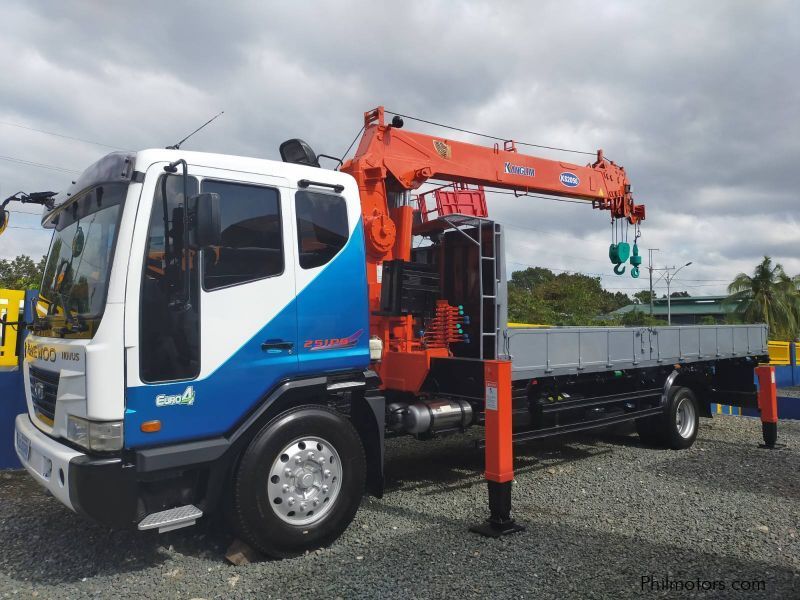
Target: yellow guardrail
(10, 306)
(779, 353)
(525, 325)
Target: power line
(31, 228)
(61, 135)
(592, 260)
(632, 288)
(720, 280)
(486, 135)
(580, 258)
(30, 163)
(22, 212)
(688, 287)
(572, 271)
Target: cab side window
(252, 239)
(322, 228)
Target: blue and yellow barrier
(724, 409)
(780, 353)
(11, 305)
(15, 305)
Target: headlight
(78, 431)
(102, 436)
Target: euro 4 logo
(184, 399)
(569, 179)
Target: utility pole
(650, 268)
(669, 276)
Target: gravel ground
(601, 512)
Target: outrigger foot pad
(499, 522)
(496, 529)
(769, 432)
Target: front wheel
(300, 481)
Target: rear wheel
(677, 427)
(300, 481)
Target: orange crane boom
(390, 162)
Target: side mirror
(4, 217)
(298, 152)
(207, 221)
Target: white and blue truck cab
(166, 339)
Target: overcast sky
(700, 101)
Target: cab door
(249, 310)
(199, 360)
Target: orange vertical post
(768, 404)
(499, 449)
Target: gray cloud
(697, 100)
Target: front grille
(44, 398)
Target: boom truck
(216, 331)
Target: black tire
(255, 491)
(667, 430)
(679, 436)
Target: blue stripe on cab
(333, 307)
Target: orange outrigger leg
(768, 405)
(499, 450)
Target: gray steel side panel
(572, 350)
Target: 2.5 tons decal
(333, 343)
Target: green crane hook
(618, 254)
(636, 260)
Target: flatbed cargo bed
(546, 352)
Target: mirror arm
(338, 160)
(45, 199)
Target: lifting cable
(486, 135)
(619, 252)
(353, 143)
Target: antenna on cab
(178, 145)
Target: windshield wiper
(72, 323)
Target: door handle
(277, 345)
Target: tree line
(21, 273)
(538, 295)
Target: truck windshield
(75, 282)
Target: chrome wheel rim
(684, 418)
(304, 481)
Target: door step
(173, 518)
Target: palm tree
(768, 296)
